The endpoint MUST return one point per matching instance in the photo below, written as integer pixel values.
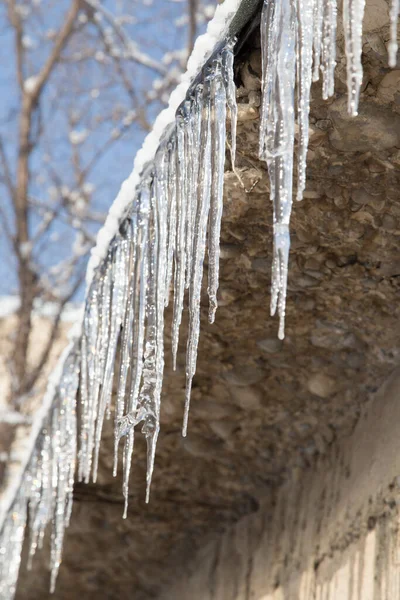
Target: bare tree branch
(192, 8)
(7, 172)
(59, 44)
(15, 20)
(133, 52)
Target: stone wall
(330, 534)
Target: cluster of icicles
(161, 244)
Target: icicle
(180, 257)
(328, 50)
(304, 77)
(119, 277)
(193, 145)
(41, 493)
(151, 427)
(317, 36)
(393, 46)
(199, 243)
(139, 286)
(126, 338)
(171, 240)
(218, 135)
(89, 383)
(190, 186)
(353, 15)
(118, 311)
(228, 77)
(148, 403)
(64, 459)
(102, 343)
(85, 426)
(278, 37)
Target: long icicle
(127, 330)
(121, 298)
(140, 274)
(199, 244)
(103, 341)
(193, 133)
(180, 256)
(218, 138)
(148, 405)
(328, 48)
(305, 9)
(171, 234)
(228, 77)
(278, 39)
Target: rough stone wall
(330, 534)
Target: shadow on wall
(332, 533)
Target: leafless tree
(82, 79)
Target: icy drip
(199, 242)
(353, 14)
(122, 298)
(126, 338)
(160, 205)
(148, 407)
(139, 282)
(278, 42)
(227, 58)
(393, 46)
(328, 47)
(47, 486)
(171, 223)
(193, 144)
(102, 345)
(89, 385)
(305, 9)
(218, 135)
(180, 255)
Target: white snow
(30, 84)
(77, 137)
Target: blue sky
(84, 102)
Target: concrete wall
(331, 533)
